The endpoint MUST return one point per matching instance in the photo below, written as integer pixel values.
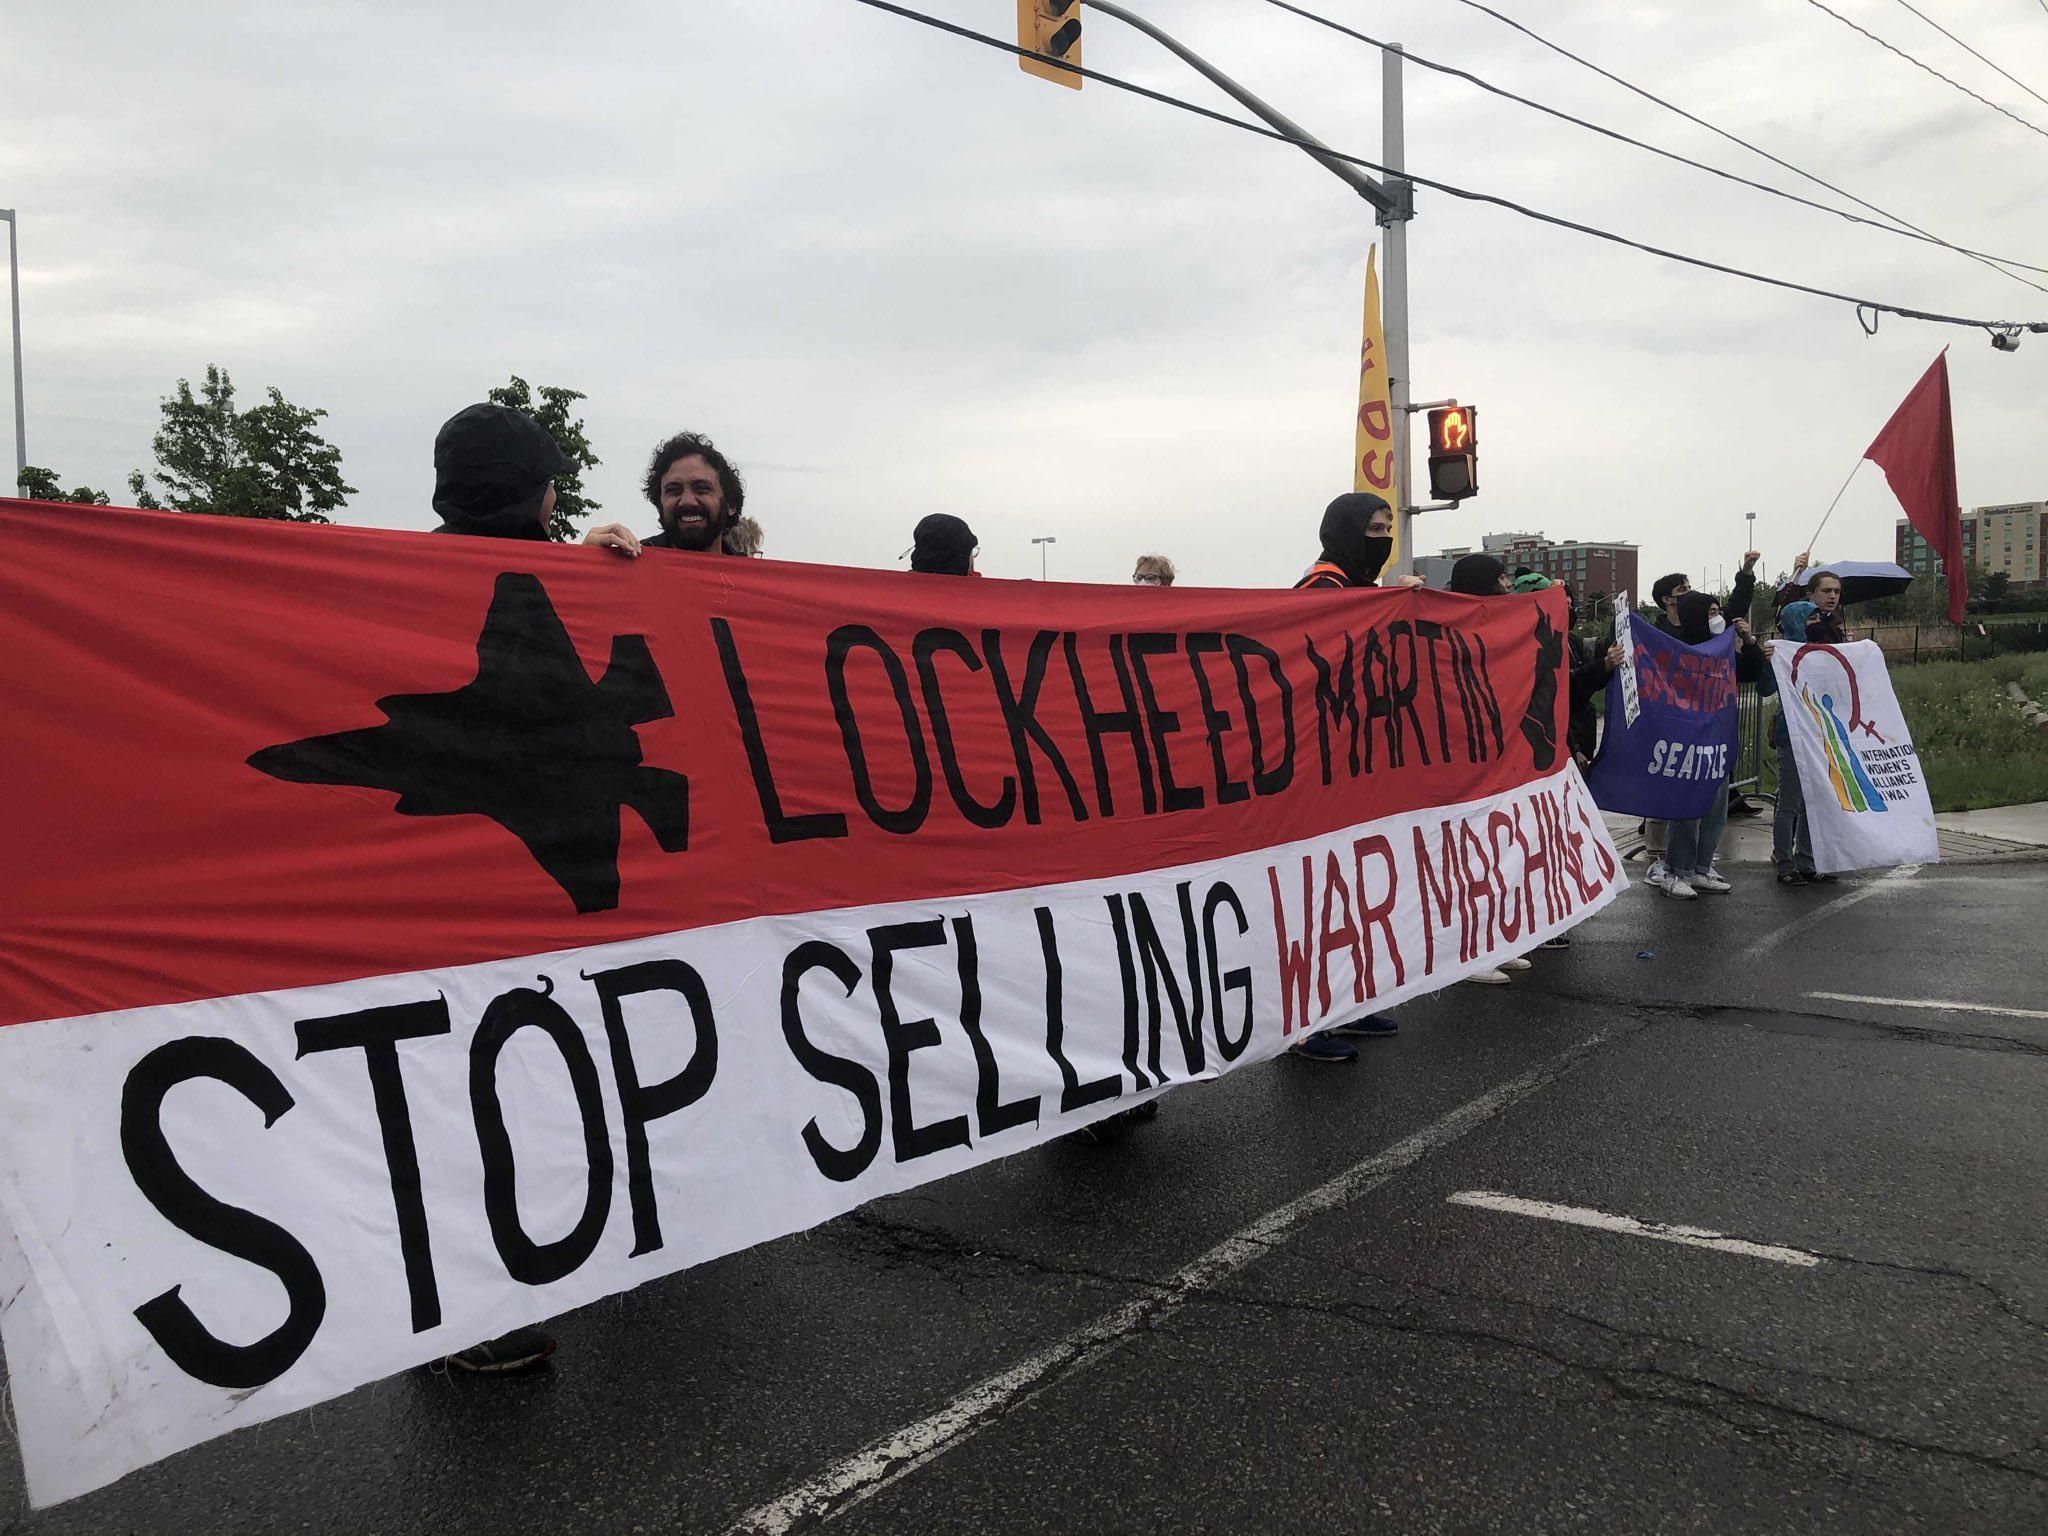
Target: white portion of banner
(228, 1182)
(1866, 797)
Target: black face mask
(1347, 545)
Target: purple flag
(1671, 759)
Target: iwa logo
(1847, 776)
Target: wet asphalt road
(1391, 1362)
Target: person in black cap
(494, 477)
(1358, 539)
(1479, 576)
(494, 473)
(943, 545)
(699, 498)
(1484, 576)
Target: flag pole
(1832, 505)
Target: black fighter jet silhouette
(531, 743)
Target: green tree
(42, 485)
(1996, 584)
(267, 461)
(553, 413)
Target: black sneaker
(1791, 877)
(520, 1350)
(1562, 941)
(1371, 1026)
(1825, 879)
(1325, 1048)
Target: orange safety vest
(1309, 578)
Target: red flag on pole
(1917, 452)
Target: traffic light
(1051, 27)
(1453, 452)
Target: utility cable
(1464, 193)
(1691, 117)
(1994, 106)
(1890, 228)
(1973, 53)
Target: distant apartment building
(2012, 538)
(1588, 568)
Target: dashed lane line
(1932, 1004)
(1629, 1226)
(895, 1456)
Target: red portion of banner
(245, 756)
(1917, 452)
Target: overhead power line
(1930, 69)
(1973, 53)
(1692, 117)
(1885, 224)
(1322, 151)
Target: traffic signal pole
(1394, 300)
(1393, 202)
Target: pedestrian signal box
(1053, 28)
(1453, 452)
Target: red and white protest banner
(408, 938)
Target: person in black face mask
(1358, 540)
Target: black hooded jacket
(1357, 556)
(492, 466)
(942, 545)
(1477, 576)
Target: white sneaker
(1680, 889)
(1710, 881)
(1516, 964)
(1657, 874)
(1488, 978)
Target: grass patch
(1976, 749)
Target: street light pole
(1394, 318)
(20, 413)
(1050, 538)
(1393, 202)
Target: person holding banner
(1791, 837)
(1152, 571)
(494, 477)
(1692, 844)
(698, 496)
(1357, 534)
(1484, 576)
(943, 545)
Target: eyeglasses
(1148, 581)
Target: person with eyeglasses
(1152, 571)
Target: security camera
(2006, 341)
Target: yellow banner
(1372, 461)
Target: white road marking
(885, 1461)
(1933, 1004)
(1842, 903)
(1580, 1216)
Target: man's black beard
(715, 527)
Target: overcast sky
(891, 274)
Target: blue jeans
(1692, 845)
(1791, 840)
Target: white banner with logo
(1865, 792)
